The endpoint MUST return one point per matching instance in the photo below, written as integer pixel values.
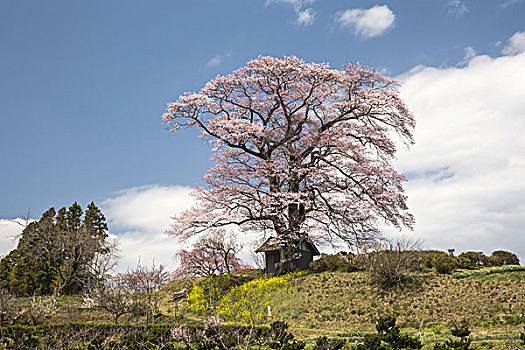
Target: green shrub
(86, 336)
(472, 260)
(325, 343)
(444, 263)
(502, 257)
(426, 257)
(343, 262)
(388, 337)
(111, 336)
(463, 343)
(278, 337)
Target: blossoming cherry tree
(300, 150)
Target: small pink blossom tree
(211, 255)
(300, 149)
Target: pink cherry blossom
(301, 149)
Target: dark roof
(272, 244)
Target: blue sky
(83, 85)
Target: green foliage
(343, 262)
(502, 257)
(56, 253)
(280, 339)
(460, 331)
(444, 263)
(388, 337)
(88, 336)
(325, 343)
(488, 271)
(472, 260)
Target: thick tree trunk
(289, 254)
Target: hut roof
(272, 244)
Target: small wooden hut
(270, 248)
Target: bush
(247, 303)
(502, 257)
(427, 255)
(444, 263)
(207, 293)
(325, 343)
(472, 260)
(278, 338)
(388, 337)
(343, 262)
(463, 343)
(87, 336)
(391, 261)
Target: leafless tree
(103, 262)
(117, 300)
(390, 260)
(148, 280)
(40, 307)
(8, 307)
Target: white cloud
(306, 17)
(515, 45)
(217, 59)
(470, 53)
(367, 22)
(457, 7)
(510, 3)
(9, 231)
(297, 4)
(214, 61)
(139, 218)
(466, 169)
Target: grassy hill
(339, 303)
(346, 304)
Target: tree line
(63, 252)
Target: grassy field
(338, 303)
(346, 304)
(341, 301)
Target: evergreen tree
(460, 331)
(56, 253)
(388, 337)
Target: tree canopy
(300, 149)
(61, 253)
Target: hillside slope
(339, 301)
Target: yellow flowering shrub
(197, 301)
(205, 295)
(248, 303)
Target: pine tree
(56, 253)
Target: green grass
(338, 303)
(497, 270)
(347, 302)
